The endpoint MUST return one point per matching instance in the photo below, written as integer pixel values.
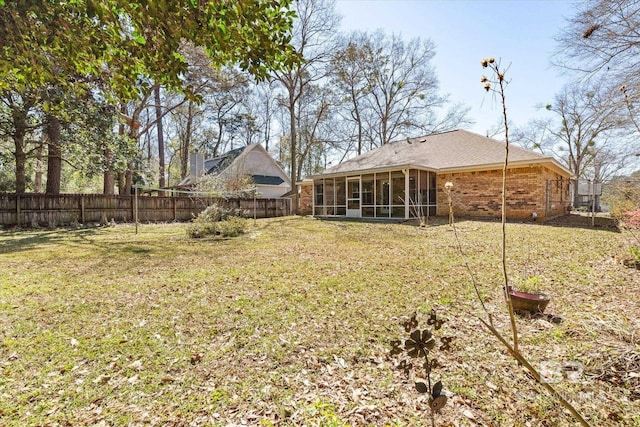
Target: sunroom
(400, 194)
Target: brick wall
(306, 198)
(478, 193)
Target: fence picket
(64, 209)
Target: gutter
(491, 166)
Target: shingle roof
(267, 180)
(216, 165)
(458, 149)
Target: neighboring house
(406, 179)
(252, 160)
(589, 195)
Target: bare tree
(392, 88)
(603, 39)
(266, 103)
(404, 84)
(351, 65)
(314, 37)
(314, 124)
(228, 87)
(602, 43)
(587, 123)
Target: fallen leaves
(292, 326)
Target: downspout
(313, 199)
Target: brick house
(405, 179)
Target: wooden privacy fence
(53, 210)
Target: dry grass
(290, 324)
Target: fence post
(82, 209)
(175, 209)
(593, 203)
(135, 208)
(18, 213)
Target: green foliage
(532, 285)
(217, 221)
(233, 226)
(87, 132)
(7, 172)
(231, 185)
(622, 195)
(48, 41)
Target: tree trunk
(54, 155)
(358, 119)
(20, 130)
(121, 183)
(267, 125)
(108, 177)
(161, 166)
(219, 140)
(186, 145)
(21, 160)
(125, 179)
(292, 151)
(37, 183)
(128, 180)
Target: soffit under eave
(370, 171)
(548, 163)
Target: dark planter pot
(523, 301)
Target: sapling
(497, 82)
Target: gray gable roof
(216, 165)
(447, 151)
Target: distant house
(589, 194)
(252, 160)
(406, 179)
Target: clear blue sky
(519, 33)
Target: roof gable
(252, 159)
(215, 165)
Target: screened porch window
(367, 183)
(379, 195)
(397, 194)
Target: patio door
(353, 197)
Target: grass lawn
(291, 323)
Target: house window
(367, 190)
(397, 194)
(329, 192)
(340, 192)
(319, 193)
(414, 199)
(382, 189)
(341, 197)
(382, 195)
(354, 190)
